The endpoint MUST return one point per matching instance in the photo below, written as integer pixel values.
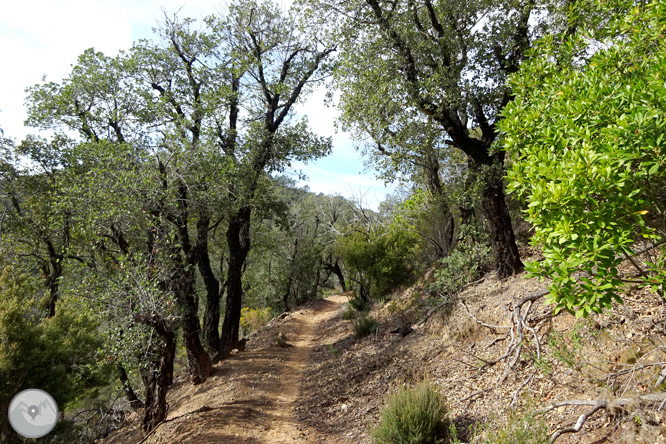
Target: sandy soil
(251, 397)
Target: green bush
(461, 267)
(363, 326)
(254, 318)
(413, 415)
(522, 427)
(349, 313)
(58, 354)
(356, 302)
(382, 260)
(589, 158)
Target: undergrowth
(413, 415)
(364, 325)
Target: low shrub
(254, 318)
(413, 415)
(363, 326)
(461, 267)
(349, 313)
(522, 427)
(356, 302)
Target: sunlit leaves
(587, 138)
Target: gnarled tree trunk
(158, 377)
(238, 239)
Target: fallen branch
(605, 404)
(579, 424)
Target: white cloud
(44, 38)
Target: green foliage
(413, 415)
(522, 427)
(357, 303)
(588, 137)
(561, 351)
(349, 313)
(254, 318)
(334, 351)
(383, 259)
(461, 267)
(363, 326)
(58, 355)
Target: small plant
(413, 415)
(363, 326)
(349, 313)
(334, 351)
(560, 350)
(254, 318)
(356, 302)
(459, 268)
(522, 427)
(541, 364)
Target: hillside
(327, 386)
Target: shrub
(587, 139)
(356, 302)
(522, 427)
(413, 415)
(460, 268)
(254, 318)
(382, 260)
(363, 326)
(349, 313)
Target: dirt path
(251, 397)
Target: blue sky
(44, 37)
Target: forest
(153, 226)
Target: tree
(57, 354)
(586, 133)
(280, 61)
(38, 219)
(446, 61)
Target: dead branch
(605, 404)
(581, 421)
(481, 323)
(447, 301)
(528, 381)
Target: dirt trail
(301, 334)
(251, 397)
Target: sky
(44, 37)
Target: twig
(483, 324)
(447, 301)
(526, 382)
(597, 405)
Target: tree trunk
(444, 223)
(199, 361)
(134, 402)
(506, 258)
(157, 380)
(53, 273)
(238, 239)
(183, 285)
(338, 272)
(211, 319)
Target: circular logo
(33, 413)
